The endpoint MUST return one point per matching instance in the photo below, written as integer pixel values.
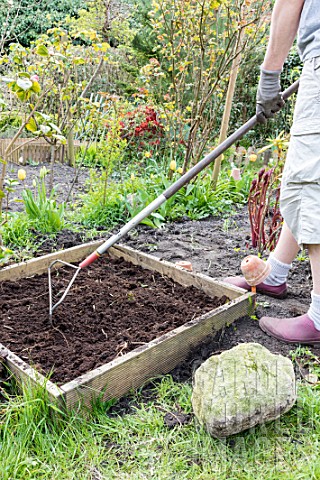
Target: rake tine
(51, 306)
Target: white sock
(279, 272)
(314, 310)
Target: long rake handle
(189, 175)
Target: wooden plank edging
(157, 357)
(25, 372)
(208, 284)
(39, 265)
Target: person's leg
(314, 310)
(314, 255)
(281, 259)
(300, 207)
(287, 247)
(305, 328)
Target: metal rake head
(52, 306)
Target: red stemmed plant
(265, 220)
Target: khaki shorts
(300, 189)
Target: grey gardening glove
(269, 98)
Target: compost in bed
(113, 308)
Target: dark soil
(62, 240)
(113, 308)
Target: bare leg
(287, 247)
(314, 254)
(304, 329)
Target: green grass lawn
(34, 444)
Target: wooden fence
(37, 151)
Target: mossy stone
(242, 387)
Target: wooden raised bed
(158, 357)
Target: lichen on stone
(242, 387)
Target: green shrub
(94, 211)
(17, 232)
(5, 254)
(25, 22)
(88, 156)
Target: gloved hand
(269, 98)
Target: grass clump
(40, 442)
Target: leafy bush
(140, 125)
(142, 128)
(9, 124)
(17, 231)
(94, 213)
(104, 154)
(18, 236)
(88, 156)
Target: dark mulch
(113, 308)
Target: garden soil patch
(113, 308)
